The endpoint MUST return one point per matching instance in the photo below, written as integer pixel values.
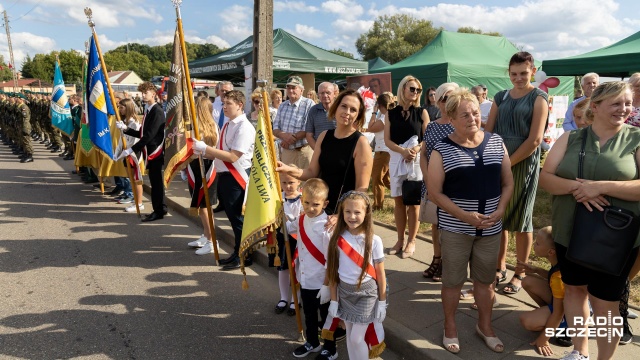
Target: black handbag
(602, 240)
(411, 192)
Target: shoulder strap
(582, 154)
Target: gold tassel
(377, 350)
(193, 211)
(245, 284)
(327, 334)
(276, 261)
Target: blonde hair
(206, 125)
(445, 88)
(129, 109)
(603, 92)
(333, 254)
(546, 234)
(634, 79)
(456, 98)
(315, 188)
(580, 108)
(402, 85)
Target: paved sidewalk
(414, 322)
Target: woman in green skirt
(520, 115)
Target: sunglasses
(415, 90)
(432, 94)
(257, 102)
(444, 98)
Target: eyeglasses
(415, 90)
(444, 98)
(432, 94)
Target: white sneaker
(199, 243)
(575, 355)
(207, 248)
(132, 208)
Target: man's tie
(221, 119)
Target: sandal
(492, 342)
(409, 249)
(280, 309)
(474, 306)
(502, 277)
(437, 277)
(467, 294)
(452, 345)
(397, 248)
(436, 262)
(511, 289)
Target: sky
(549, 29)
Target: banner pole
(287, 249)
(192, 108)
(112, 98)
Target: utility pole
(13, 64)
(262, 67)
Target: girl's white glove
(324, 294)
(121, 125)
(333, 308)
(381, 311)
(199, 147)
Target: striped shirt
(317, 121)
(472, 181)
(292, 118)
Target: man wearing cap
(289, 125)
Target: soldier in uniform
(24, 115)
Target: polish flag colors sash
(135, 168)
(238, 173)
(374, 336)
(309, 245)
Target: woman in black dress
(342, 156)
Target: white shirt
(217, 110)
(309, 271)
(379, 136)
(292, 209)
(238, 135)
(348, 271)
(485, 108)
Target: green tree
(471, 30)
(342, 53)
(5, 72)
(133, 61)
(395, 37)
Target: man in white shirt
(221, 88)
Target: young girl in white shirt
(355, 272)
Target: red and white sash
(309, 245)
(238, 173)
(195, 179)
(374, 336)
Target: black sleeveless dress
(336, 165)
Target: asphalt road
(79, 278)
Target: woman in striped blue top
(471, 182)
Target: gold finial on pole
(89, 14)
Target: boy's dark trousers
(310, 306)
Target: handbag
(411, 192)
(428, 212)
(602, 240)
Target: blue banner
(99, 105)
(60, 109)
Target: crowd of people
(468, 166)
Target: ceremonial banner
(98, 104)
(60, 109)
(263, 211)
(178, 143)
(85, 155)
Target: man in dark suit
(151, 145)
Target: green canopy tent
(290, 56)
(617, 60)
(466, 59)
(377, 63)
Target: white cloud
(345, 9)
(24, 43)
(218, 41)
(550, 28)
(237, 23)
(307, 32)
(294, 6)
